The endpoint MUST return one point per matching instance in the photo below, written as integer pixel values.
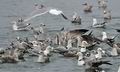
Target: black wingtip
(62, 29)
(106, 62)
(90, 33)
(64, 16)
(115, 36)
(109, 63)
(118, 30)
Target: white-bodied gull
(20, 25)
(98, 25)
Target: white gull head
(41, 58)
(104, 36)
(47, 50)
(75, 15)
(99, 53)
(15, 27)
(81, 62)
(84, 44)
(94, 21)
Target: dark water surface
(10, 10)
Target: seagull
(38, 32)
(90, 40)
(68, 53)
(7, 59)
(114, 51)
(42, 58)
(104, 37)
(76, 18)
(109, 41)
(99, 53)
(39, 6)
(93, 65)
(47, 51)
(79, 41)
(117, 46)
(107, 15)
(119, 69)
(56, 39)
(2, 51)
(81, 61)
(41, 11)
(90, 63)
(87, 7)
(12, 56)
(74, 33)
(102, 4)
(84, 44)
(98, 25)
(69, 44)
(20, 25)
(96, 63)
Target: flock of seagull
(78, 43)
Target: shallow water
(10, 10)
